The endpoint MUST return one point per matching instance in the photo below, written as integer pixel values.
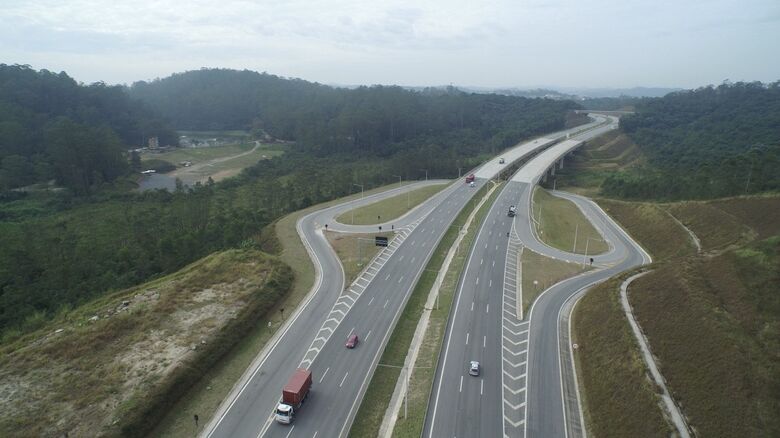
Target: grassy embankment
(545, 272)
(204, 396)
(354, 251)
(590, 165)
(380, 390)
(390, 208)
(710, 320)
(113, 365)
(560, 220)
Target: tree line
(60, 249)
(704, 143)
(378, 120)
(53, 128)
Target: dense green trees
(58, 250)
(53, 128)
(378, 120)
(705, 143)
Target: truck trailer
(293, 395)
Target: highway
(314, 335)
(523, 389)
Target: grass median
(559, 220)
(380, 390)
(354, 251)
(390, 208)
(540, 272)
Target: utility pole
(361, 198)
(576, 229)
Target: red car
(352, 341)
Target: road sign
(380, 241)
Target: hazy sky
(584, 43)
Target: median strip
(379, 393)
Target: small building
(154, 143)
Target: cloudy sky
(523, 43)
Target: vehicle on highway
(501, 161)
(474, 368)
(293, 395)
(352, 341)
(472, 184)
(470, 178)
(512, 211)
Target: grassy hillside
(586, 171)
(710, 318)
(713, 324)
(112, 366)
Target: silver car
(474, 368)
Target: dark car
(352, 341)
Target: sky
(515, 43)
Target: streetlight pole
(361, 198)
(426, 173)
(576, 229)
(399, 180)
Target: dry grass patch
(111, 367)
(545, 272)
(713, 323)
(619, 399)
(355, 251)
(658, 233)
(714, 227)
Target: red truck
(293, 394)
(470, 178)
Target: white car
(474, 368)
(500, 161)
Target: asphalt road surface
(314, 335)
(523, 389)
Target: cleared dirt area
(110, 367)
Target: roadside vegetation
(380, 390)
(559, 220)
(539, 272)
(355, 251)
(390, 208)
(114, 365)
(82, 232)
(618, 398)
(204, 397)
(585, 171)
(710, 320)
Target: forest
(53, 128)
(61, 248)
(706, 143)
(376, 120)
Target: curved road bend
(519, 392)
(340, 376)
